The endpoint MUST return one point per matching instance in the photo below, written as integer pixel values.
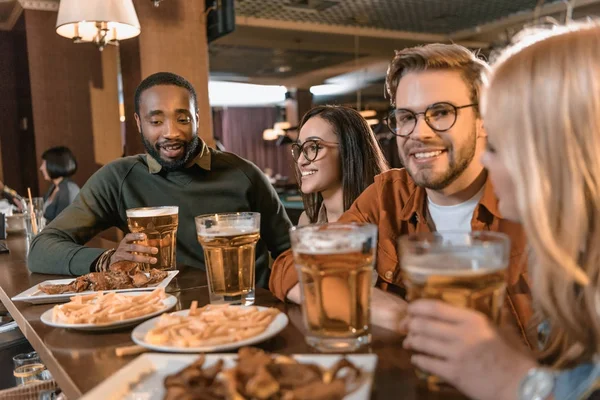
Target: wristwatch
(538, 384)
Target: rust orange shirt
(398, 206)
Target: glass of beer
(335, 264)
(465, 269)
(159, 224)
(229, 242)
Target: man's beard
(456, 166)
(191, 150)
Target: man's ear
(480, 128)
(138, 122)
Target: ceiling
(425, 16)
(303, 43)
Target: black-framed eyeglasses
(439, 116)
(310, 149)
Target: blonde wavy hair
(542, 111)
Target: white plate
(139, 334)
(169, 302)
(143, 377)
(34, 295)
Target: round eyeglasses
(310, 149)
(439, 116)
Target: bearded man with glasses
(434, 91)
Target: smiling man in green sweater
(178, 170)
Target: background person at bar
(434, 90)
(337, 156)
(179, 169)
(58, 165)
(542, 114)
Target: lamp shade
(79, 19)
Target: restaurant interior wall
(69, 103)
(17, 142)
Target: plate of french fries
(210, 328)
(106, 311)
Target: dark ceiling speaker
(220, 18)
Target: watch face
(537, 385)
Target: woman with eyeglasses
(337, 156)
(541, 110)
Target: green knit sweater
(228, 184)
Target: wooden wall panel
(61, 75)
(132, 76)
(106, 125)
(8, 110)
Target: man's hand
(129, 250)
(387, 309)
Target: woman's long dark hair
(361, 157)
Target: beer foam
(462, 272)
(228, 231)
(321, 244)
(152, 211)
(465, 265)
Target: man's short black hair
(60, 162)
(163, 78)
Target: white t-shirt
(454, 218)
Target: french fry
(104, 308)
(210, 325)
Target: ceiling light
(97, 21)
(330, 89)
(368, 113)
(272, 134)
(281, 126)
(231, 94)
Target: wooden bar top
(79, 360)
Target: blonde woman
(541, 110)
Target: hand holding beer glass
(159, 224)
(229, 242)
(465, 269)
(335, 264)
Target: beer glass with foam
(229, 242)
(335, 264)
(159, 224)
(465, 269)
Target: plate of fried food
(210, 328)
(107, 311)
(123, 276)
(251, 374)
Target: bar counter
(79, 361)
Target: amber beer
(465, 269)
(159, 224)
(458, 283)
(335, 266)
(229, 242)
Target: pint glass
(465, 269)
(335, 264)
(229, 242)
(159, 224)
